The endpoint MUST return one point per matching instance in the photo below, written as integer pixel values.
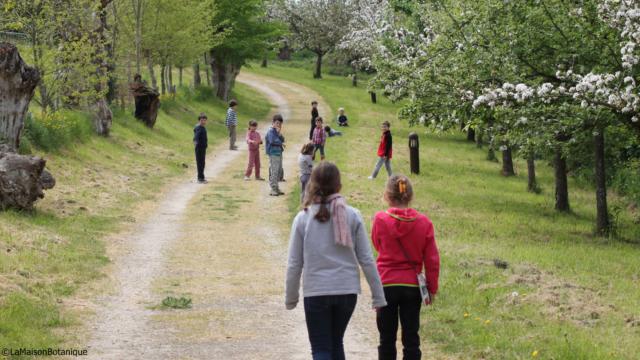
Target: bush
(627, 182)
(52, 131)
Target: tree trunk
(17, 84)
(170, 78)
(562, 185)
(197, 80)
(224, 77)
(354, 80)
(137, 10)
(264, 63)
(471, 134)
(152, 72)
(146, 103)
(491, 154)
(318, 73)
(22, 180)
(180, 76)
(532, 183)
(102, 115)
(207, 64)
(507, 162)
(163, 86)
(603, 225)
(479, 137)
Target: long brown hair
(399, 190)
(324, 182)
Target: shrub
(54, 130)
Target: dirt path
(224, 246)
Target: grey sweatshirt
(329, 269)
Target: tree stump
(147, 102)
(17, 84)
(23, 180)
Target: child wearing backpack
(305, 161)
(404, 239)
(253, 140)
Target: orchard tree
(318, 25)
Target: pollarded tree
(239, 34)
(318, 25)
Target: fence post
(414, 153)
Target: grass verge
(565, 294)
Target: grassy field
(565, 293)
(47, 255)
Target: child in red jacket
(385, 150)
(404, 239)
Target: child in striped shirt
(232, 122)
(319, 138)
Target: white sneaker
(370, 177)
(246, 178)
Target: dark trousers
(327, 319)
(201, 154)
(403, 302)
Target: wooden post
(414, 153)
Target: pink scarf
(338, 209)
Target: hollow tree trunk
(471, 134)
(318, 72)
(197, 80)
(223, 76)
(532, 183)
(507, 162)
(22, 178)
(562, 185)
(602, 212)
(152, 72)
(17, 84)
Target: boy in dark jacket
(385, 150)
(201, 142)
(274, 146)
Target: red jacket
(386, 145)
(415, 231)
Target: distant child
(201, 142)
(305, 161)
(319, 138)
(331, 133)
(385, 150)
(405, 241)
(232, 123)
(253, 140)
(314, 116)
(342, 118)
(274, 146)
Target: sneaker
(260, 179)
(202, 181)
(370, 178)
(246, 178)
(282, 180)
(280, 192)
(274, 193)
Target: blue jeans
(327, 319)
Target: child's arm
(295, 264)
(368, 264)
(431, 261)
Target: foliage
(54, 130)
(176, 303)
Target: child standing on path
(328, 242)
(319, 138)
(232, 122)
(404, 239)
(385, 151)
(274, 147)
(314, 116)
(342, 118)
(200, 142)
(253, 140)
(305, 161)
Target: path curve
(224, 245)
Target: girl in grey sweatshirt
(328, 242)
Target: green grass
(50, 253)
(578, 295)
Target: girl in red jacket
(405, 242)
